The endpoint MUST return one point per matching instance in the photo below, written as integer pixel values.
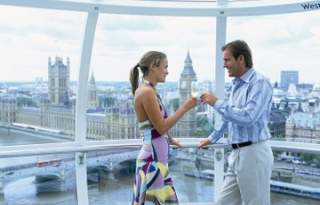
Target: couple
(245, 114)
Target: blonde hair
(149, 59)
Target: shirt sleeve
(218, 133)
(258, 100)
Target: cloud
(29, 36)
(270, 31)
(128, 23)
(54, 24)
(174, 36)
(289, 43)
(169, 32)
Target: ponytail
(134, 78)
(148, 59)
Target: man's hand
(208, 98)
(203, 143)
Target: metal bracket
(80, 158)
(218, 155)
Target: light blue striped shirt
(246, 113)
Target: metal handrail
(72, 147)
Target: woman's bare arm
(152, 109)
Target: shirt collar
(246, 76)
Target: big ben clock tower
(187, 124)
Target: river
(114, 189)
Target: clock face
(183, 84)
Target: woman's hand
(190, 103)
(175, 142)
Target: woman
(152, 181)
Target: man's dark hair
(240, 47)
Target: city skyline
(121, 40)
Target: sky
(29, 36)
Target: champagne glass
(195, 90)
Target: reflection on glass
(47, 179)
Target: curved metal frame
(221, 10)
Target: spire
(292, 90)
(188, 59)
(300, 108)
(68, 61)
(58, 59)
(188, 68)
(92, 79)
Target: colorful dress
(152, 183)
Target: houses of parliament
(56, 109)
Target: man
(245, 114)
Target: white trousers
(247, 180)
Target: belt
(242, 144)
